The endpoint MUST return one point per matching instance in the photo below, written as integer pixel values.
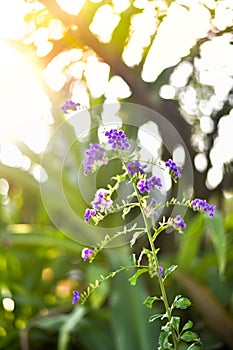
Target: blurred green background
(174, 57)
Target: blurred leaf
(94, 271)
(68, 326)
(218, 237)
(190, 242)
(129, 316)
(213, 312)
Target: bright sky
(25, 110)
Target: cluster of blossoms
(86, 253)
(201, 204)
(135, 167)
(95, 156)
(88, 214)
(174, 168)
(117, 139)
(102, 202)
(149, 184)
(179, 223)
(69, 106)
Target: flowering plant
(145, 188)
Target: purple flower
(175, 169)
(160, 271)
(95, 156)
(76, 296)
(135, 167)
(201, 204)
(69, 106)
(149, 184)
(179, 223)
(102, 200)
(117, 139)
(86, 253)
(88, 214)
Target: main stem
(161, 283)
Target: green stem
(161, 282)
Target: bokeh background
(174, 57)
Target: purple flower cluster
(149, 184)
(76, 296)
(179, 223)
(69, 106)
(86, 253)
(102, 201)
(117, 139)
(201, 204)
(95, 156)
(135, 167)
(88, 214)
(175, 169)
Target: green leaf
(169, 270)
(133, 279)
(218, 237)
(181, 302)
(175, 321)
(155, 317)
(190, 242)
(187, 325)
(150, 300)
(189, 336)
(64, 334)
(164, 341)
(94, 272)
(128, 316)
(133, 259)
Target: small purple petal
(69, 106)
(76, 296)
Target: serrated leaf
(155, 317)
(181, 303)
(187, 325)
(169, 270)
(133, 279)
(164, 341)
(150, 300)
(175, 321)
(189, 336)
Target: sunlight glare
(167, 48)
(25, 109)
(70, 6)
(104, 22)
(140, 35)
(97, 75)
